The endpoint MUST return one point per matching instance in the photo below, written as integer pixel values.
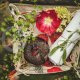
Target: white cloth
(74, 25)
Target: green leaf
(3, 29)
(24, 29)
(54, 50)
(33, 12)
(63, 44)
(32, 20)
(33, 38)
(8, 33)
(14, 29)
(3, 24)
(71, 35)
(28, 16)
(40, 7)
(69, 31)
(20, 22)
(27, 24)
(64, 55)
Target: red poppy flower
(48, 22)
(55, 36)
(43, 36)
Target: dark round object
(36, 51)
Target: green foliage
(20, 22)
(7, 22)
(54, 50)
(8, 26)
(6, 64)
(31, 17)
(64, 55)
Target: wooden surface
(48, 2)
(29, 7)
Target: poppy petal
(47, 22)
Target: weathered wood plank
(49, 2)
(29, 7)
